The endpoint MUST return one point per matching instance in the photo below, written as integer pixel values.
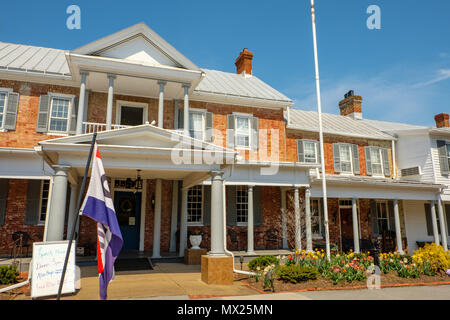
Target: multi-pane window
(310, 150)
(196, 124)
(448, 154)
(242, 131)
(59, 115)
(345, 153)
(316, 218)
(377, 164)
(242, 204)
(2, 107)
(44, 200)
(195, 205)
(382, 216)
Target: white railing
(90, 127)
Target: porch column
(434, 222)
(80, 115)
(186, 87)
(109, 106)
(217, 232)
(442, 225)
(298, 229)
(183, 221)
(250, 222)
(398, 232)
(173, 221)
(161, 103)
(308, 219)
(355, 225)
(55, 227)
(72, 208)
(283, 218)
(157, 221)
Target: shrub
(433, 254)
(295, 274)
(8, 274)
(261, 262)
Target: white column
(72, 208)
(55, 227)
(434, 222)
(250, 222)
(217, 227)
(186, 87)
(283, 218)
(355, 225)
(298, 228)
(173, 222)
(183, 221)
(161, 103)
(109, 106)
(442, 225)
(398, 230)
(157, 221)
(80, 115)
(308, 219)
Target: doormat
(133, 264)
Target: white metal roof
(334, 124)
(33, 59)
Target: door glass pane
(131, 116)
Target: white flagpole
(322, 154)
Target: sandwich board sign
(47, 266)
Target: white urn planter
(195, 241)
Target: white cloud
(442, 75)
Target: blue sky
(402, 71)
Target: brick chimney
(442, 120)
(351, 105)
(244, 62)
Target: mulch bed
(387, 280)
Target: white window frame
(41, 201)
(321, 226)
(349, 147)
(52, 96)
(316, 151)
(381, 174)
(385, 202)
(201, 222)
(447, 145)
(124, 103)
(5, 91)
(239, 188)
(249, 119)
(203, 114)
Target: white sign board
(47, 266)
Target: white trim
(69, 113)
(249, 119)
(197, 223)
(142, 105)
(49, 204)
(6, 92)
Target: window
(242, 204)
(377, 161)
(196, 124)
(382, 216)
(3, 96)
(242, 131)
(129, 113)
(195, 205)
(448, 154)
(346, 158)
(59, 115)
(377, 165)
(316, 218)
(44, 201)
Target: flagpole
(83, 184)
(322, 153)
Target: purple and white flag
(98, 206)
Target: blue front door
(128, 210)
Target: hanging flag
(98, 206)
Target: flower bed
(302, 270)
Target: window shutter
(355, 154)
(373, 214)
(208, 126)
(319, 156)
(447, 214)
(255, 133)
(443, 157)
(336, 157)
(44, 109)
(231, 205)
(300, 152)
(428, 219)
(33, 200)
(73, 116)
(206, 205)
(257, 205)
(230, 131)
(386, 167)
(3, 198)
(11, 111)
(391, 215)
(368, 161)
